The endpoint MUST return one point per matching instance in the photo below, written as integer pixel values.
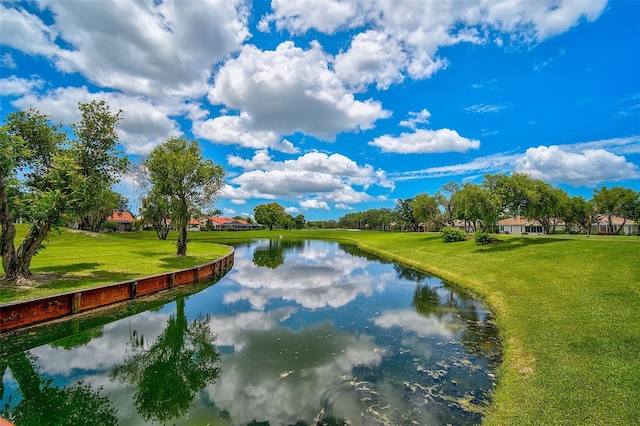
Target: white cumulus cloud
(291, 90)
(374, 57)
(313, 179)
(314, 204)
(425, 141)
(414, 31)
(143, 125)
(588, 167)
(157, 49)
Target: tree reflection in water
(273, 255)
(44, 403)
(480, 337)
(167, 375)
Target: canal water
(298, 333)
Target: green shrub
(110, 226)
(451, 234)
(481, 238)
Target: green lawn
(73, 260)
(568, 307)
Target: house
(602, 226)
(194, 225)
(224, 224)
(519, 225)
(123, 219)
(467, 226)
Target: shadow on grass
(62, 284)
(69, 269)
(9, 293)
(55, 283)
(150, 254)
(174, 263)
(515, 243)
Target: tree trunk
(182, 241)
(29, 247)
(26, 376)
(7, 236)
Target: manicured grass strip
(74, 260)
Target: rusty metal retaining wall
(24, 313)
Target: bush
(110, 226)
(451, 234)
(481, 238)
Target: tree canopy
(271, 214)
(180, 179)
(99, 163)
(45, 177)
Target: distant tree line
(481, 206)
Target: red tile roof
(219, 220)
(121, 217)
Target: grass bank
(568, 308)
(74, 260)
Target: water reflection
(42, 402)
(298, 333)
(271, 254)
(169, 373)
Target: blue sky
(329, 107)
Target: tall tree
(447, 200)
(99, 163)
(271, 214)
(106, 201)
(425, 208)
(404, 212)
(579, 213)
(190, 183)
(616, 201)
(156, 210)
(544, 203)
(38, 179)
(475, 204)
(509, 190)
(300, 221)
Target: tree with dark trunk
(98, 162)
(37, 184)
(156, 212)
(271, 214)
(44, 178)
(616, 201)
(177, 173)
